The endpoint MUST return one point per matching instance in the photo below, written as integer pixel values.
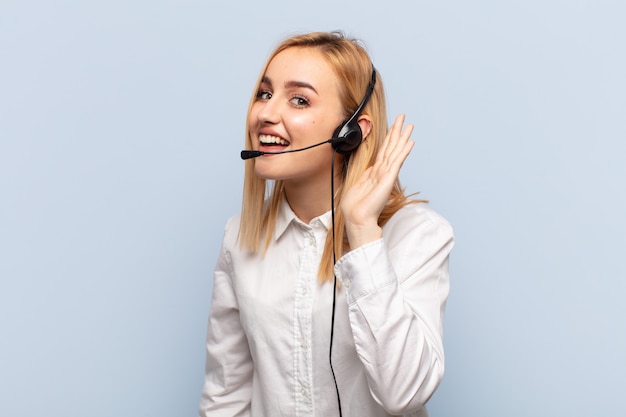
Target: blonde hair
(353, 69)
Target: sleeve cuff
(365, 270)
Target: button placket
(303, 321)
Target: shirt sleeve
(227, 386)
(396, 289)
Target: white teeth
(272, 140)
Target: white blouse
(269, 325)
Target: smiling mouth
(269, 140)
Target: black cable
(332, 321)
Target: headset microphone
(247, 154)
(250, 154)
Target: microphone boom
(247, 154)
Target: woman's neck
(310, 199)
(308, 202)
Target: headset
(348, 135)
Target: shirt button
(304, 342)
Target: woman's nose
(269, 111)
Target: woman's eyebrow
(300, 84)
(290, 84)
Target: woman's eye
(299, 101)
(263, 95)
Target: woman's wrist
(359, 235)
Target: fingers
(396, 146)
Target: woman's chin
(266, 172)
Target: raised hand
(362, 204)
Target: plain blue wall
(120, 128)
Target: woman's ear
(365, 123)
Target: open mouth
(269, 140)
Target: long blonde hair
(353, 68)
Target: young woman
(284, 337)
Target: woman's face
(297, 105)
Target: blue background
(121, 124)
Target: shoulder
(233, 223)
(417, 221)
(231, 231)
(417, 215)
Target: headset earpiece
(348, 135)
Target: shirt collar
(286, 217)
